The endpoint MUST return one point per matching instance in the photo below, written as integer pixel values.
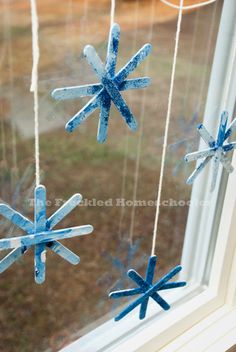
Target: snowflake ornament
(109, 88)
(40, 234)
(147, 289)
(217, 150)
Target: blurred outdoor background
(74, 299)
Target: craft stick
(64, 252)
(112, 49)
(229, 146)
(133, 63)
(222, 128)
(197, 171)
(149, 279)
(44, 237)
(16, 218)
(172, 285)
(64, 210)
(84, 113)
(11, 258)
(231, 128)
(206, 135)
(124, 293)
(40, 225)
(76, 91)
(215, 169)
(105, 106)
(200, 154)
(92, 89)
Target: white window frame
(208, 303)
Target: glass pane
(111, 176)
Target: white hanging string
(34, 84)
(125, 163)
(177, 36)
(113, 7)
(143, 104)
(190, 7)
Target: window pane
(111, 176)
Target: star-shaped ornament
(217, 151)
(109, 88)
(146, 289)
(40, 233)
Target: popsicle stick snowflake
(40, 234)
(109, 88)
(217, 150)
(146, 289)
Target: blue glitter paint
(109, 89)
(217, 150)
(147, 289)
(40, 233)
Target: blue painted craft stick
(133, 63)
(105, 106)
(112, 49)
(229, 146)
(64, 210)
(16, 218)
(200, 154)
(11, 257)
(124, 293)
(172, 285)
(230, 130)
(215, 168)
(149, 278)
(197, 171)
(64, 252)
(206, 136)
(76, 91)
(40, 225)
(44, 237)
(222, 129)
(84, 113)
(70, 93)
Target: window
(69, 306)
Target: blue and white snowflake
(217, 150)
(109, 88)
(147, 289)
(40, 234)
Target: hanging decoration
(110, 87)
(40, 233)
(146, 287)
(217, 150)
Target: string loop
(189, 7)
